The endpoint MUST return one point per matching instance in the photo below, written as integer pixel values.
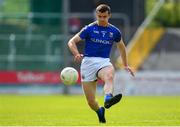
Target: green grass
(73, 110)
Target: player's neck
(104, 24)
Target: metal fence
(23, 41)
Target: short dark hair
(103, 8)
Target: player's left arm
(122, 50)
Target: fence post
(12, 52)
(29, 29)
(65, 33)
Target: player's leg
(89, 89)
(107, 75)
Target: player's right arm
(74, 40)
(73, 48)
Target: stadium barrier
(145, 83)
(148, 83)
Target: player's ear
(110, 15)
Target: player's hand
(78, 57)
(129, 70)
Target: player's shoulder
(92, 24)
(114, 28)
(89, 26)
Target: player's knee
(109, 77)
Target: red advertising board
(29, 77)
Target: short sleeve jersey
(99, 39)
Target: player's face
(102, 17)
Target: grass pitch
(58, 110)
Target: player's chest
(102, 34)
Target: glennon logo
(100, 41)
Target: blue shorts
(90, 67)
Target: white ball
(69, 76)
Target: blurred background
(34, 36)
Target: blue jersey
(99, 39)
